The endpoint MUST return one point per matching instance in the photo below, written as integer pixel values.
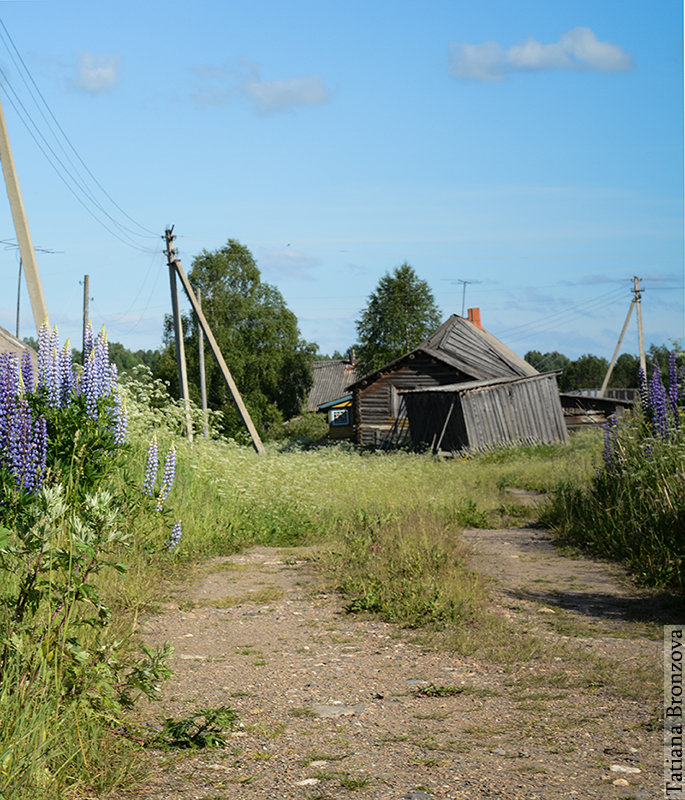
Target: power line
(72, 179)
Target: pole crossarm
(216, 352)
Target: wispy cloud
(289, 262)
(97, 73)
(220, 85)
(578, 49)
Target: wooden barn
(458, 352)
(477, 415)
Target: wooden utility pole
(178, 331)
(216, 352)
(638, 302)
(86, 298)
(201, 363)
(21, 227)
(618, 347)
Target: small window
(339, 417)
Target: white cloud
(97, 73)
(280, 95)
(218, 86)
(578, 49)
(288, 262)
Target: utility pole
(174, 263)
(21, 227)
(18, 296)
(618, 347)
(86, 298)
(638, 302)
(178, 331)
(201, 363)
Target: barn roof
(469, 349)
(330, 381)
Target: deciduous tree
(258, 336)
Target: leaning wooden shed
(459, 351)
(482, 414)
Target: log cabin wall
(378, 408)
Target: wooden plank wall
(373, 404)
(526, 411)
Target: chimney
(474, 316)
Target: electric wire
(26, 70)
(65, 175)
(19, 105)
(577, 309)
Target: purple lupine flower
(88, 341)
(609, 427)
(9, 393)
(673, 385)
(121, 423)
(25, 448)
(644, 390)
(175, 538)
(91, 384)
(27, 371)
(168, 477)
(67, 375)
(658, 404)
(44, 367)
(151, 467)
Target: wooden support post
(216, 352)
(618, 347)
(178, 334)
(638, 300)
(201, 363)
(21, 227)
(86, 292)
(436, 448)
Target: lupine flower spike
(168, 477)
(151, 468)
(175, 538)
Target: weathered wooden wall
(375, 417)
(524, 411)
(521, 410)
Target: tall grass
(633, 508)
(412, 571)
(229, 497)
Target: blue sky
(533, 149)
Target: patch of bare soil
(337, 706)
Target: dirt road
(336, 706)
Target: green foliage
(633, 509)
(151, 407)
(547, 362)
(412, 571)
(258, 337)
(586, 372)
(126, 359)
(205, 728)
(439, 691)
(401, 312)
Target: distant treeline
(118, 354)
(588, 371)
